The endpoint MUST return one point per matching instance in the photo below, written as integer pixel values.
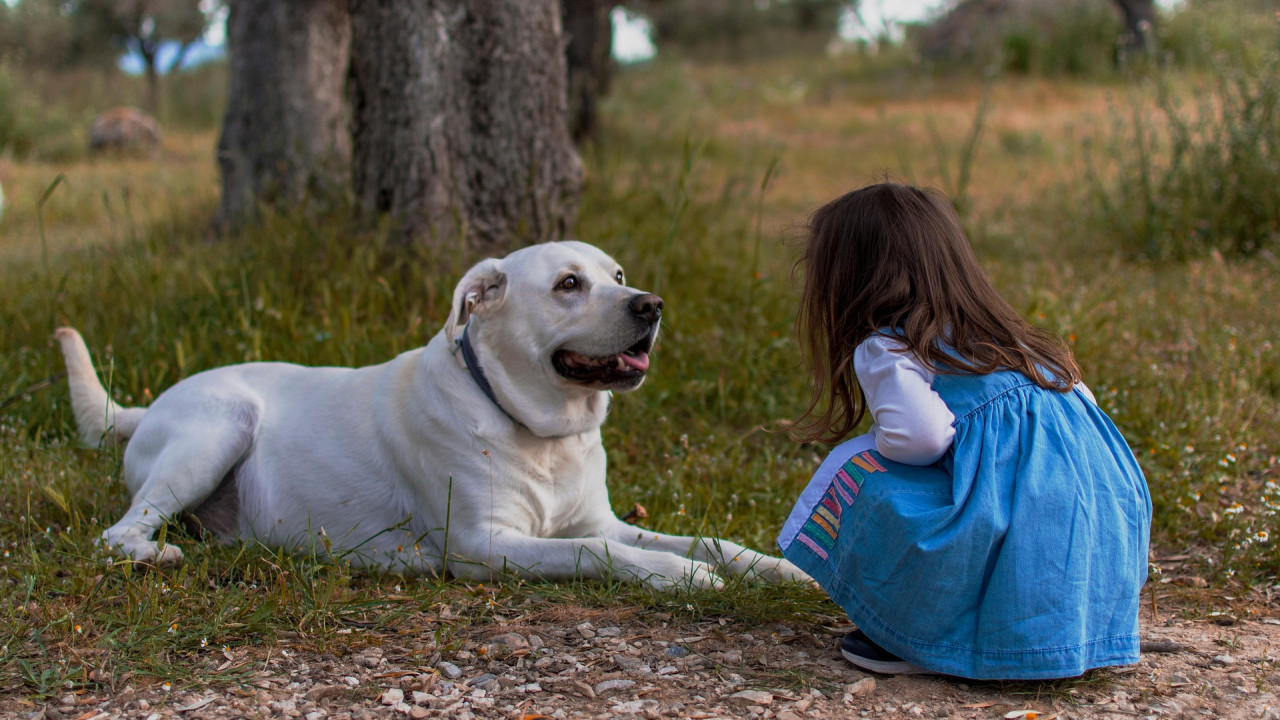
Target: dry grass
(107, 200)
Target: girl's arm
(912, 423)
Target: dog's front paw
(144, 552)
(168, 556)
(771, 569)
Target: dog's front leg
(728, 558)
(510, 552)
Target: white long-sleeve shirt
(910, 422)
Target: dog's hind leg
(176, 466)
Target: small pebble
(863, 688)
(752, 697)
(391, 696)
(615, 684)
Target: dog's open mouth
(625, 368)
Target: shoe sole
(884, 667)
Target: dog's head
(555, 327)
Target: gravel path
(585, 663)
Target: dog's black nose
(646, 307)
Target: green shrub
(1076, 39)
(195, 99)
(32, 126)
(16, 133)
(1079, 38)
(1201, 34)
(1182, 182)
(1072, 38)
(739, 30)
(63, 136)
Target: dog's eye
(570, 282)
(618, 276)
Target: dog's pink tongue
(639, 361)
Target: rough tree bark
(153, 79)
(588, 53)
(1139, 26)
(460, 120)
(285, 134)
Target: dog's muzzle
(622, 370)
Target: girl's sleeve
(1087, 392)
(912, 423)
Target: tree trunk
(285, 135)
(179, 57)
(1139, 27)
(460, 121)
(590, 60)
(153, 84)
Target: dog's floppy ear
(479, 291)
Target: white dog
(480, 452)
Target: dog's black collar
(477, 373)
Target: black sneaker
(858, 649)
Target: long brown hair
(892, 256)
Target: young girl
(993, 523)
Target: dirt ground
(582, 663)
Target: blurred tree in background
(1094, 39)
(456, 129)
(143, 27)
(60, 65)
(1139, 26)
(285, 135)
(460, 121)
(738, 29)
(1040, 37)
(47, 34)
(588, 28)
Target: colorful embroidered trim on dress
(819, 532)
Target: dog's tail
(99, 419)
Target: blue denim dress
(1019, 555)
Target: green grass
(1198, 177)
(704, 173)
